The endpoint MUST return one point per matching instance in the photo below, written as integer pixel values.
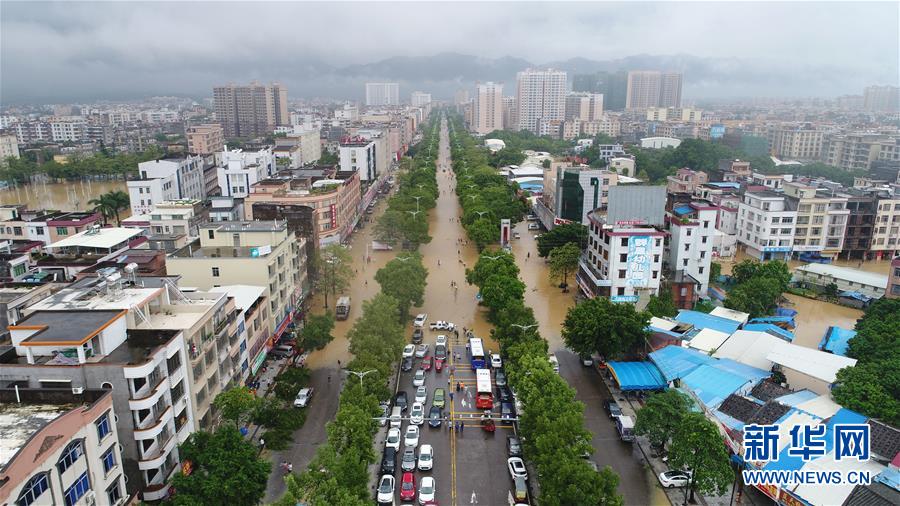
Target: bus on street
(485, 397)
(476, 352)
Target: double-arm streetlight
(361, 375)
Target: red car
(426, 363)
(438, 364)
(407, 487)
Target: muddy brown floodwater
(71, 196)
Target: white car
(422, 350)
(496, 361)
(419, 378)
(409, 350)
(426, 457)
(517, 468)
(386, 490)
(534, 226)
(411, 438)
(420, 320)
(417, 414)
(442, 325)
(303, 397)
(441, 339)
(554, 362)
(669, 479)
(421, 394)
(426, 490)
(393, 439)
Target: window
(702, 255)
(39, 230)
(33, 490)
(655, 258)
(621, 273)
(623, 257)
(655, 274)
(700, 270)
(215, 272)
(78, 489)
(114, 493)
(620, 291)
(102, 427)
(17, 230)
(624, 242)
(70, 455)
(62, 230)
(109, 459)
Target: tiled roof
(739, 407)
(769, 413)
(767, 390)
(885, 440)
(875, 494)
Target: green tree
(562, 235)
(500, 291)
(333, 269)
(872, 388)
(404, 279)
(490, 263)
(662, 305)
(758, 296)
(507, 156)
(830, 291)
(697, 446)
(608, 328)
(316, 332)
(661, 416)
(564, 261)
(775, 270)
(225, 469)
(378, 333)
(236, 404)
(878, 335)
(715, 270)
(704, 306)
(111, 204)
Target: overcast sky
(79, 50)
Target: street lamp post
(361, 375)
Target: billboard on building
(637, 273)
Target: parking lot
(470, 464)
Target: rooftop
(815, 363)
(244, 295)
(846, 273)
(104, 238)
(19, 421)
(139, 346)
(65, 327)
(245, 226)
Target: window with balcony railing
(177, 392)
(173, 363)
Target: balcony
(152, 396)
(152, 426)
(156, 454)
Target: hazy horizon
(82, 51)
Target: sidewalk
(676, 496)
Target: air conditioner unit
(77, 390)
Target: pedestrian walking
(467, 349)
(451, 397)
(461, 426)
(262, 442)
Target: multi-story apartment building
(800, 142)
(29, 132)
(881, 98)
(686, 180)
(510, 113)
(60, 446)
(857, 151)
(240, 170)
(821, 219)
(9, 146)
(378, 94)
(174, 223)
(361, 154)
(323, 211)
(689, 245)
(652, 88)
(624, 254)
(607, 125)
(419, 99)
(257, 253)
(205, 139)
(487, 114)
(164, 353)
(670, 89)
(68, 129)
(73, 254)
(886, 233)
(765, 225)
(584, 106)
(540, 97)
(166, 179)
(893, 287)
(860, 222)
(250, 111)
(308, 146)
(580, 190)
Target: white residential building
(307, 142)
(540, 98)
(487, 114)
(9, 147)
(660, 142)
(584, 106)
(886, 230)
(419, 98)
(366, 155)
(689, 248)
(70, 129)
(239, 170)
(766, 225)
(382, 94)
(821, 219)
(166, 179)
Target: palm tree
(110, 204)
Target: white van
(625, 427)
(396, 417)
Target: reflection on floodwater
(71, 196)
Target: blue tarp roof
(855, 295)
(712, 384)
(836, 340)
(707, 321)
(785, 311)
(675, 362)
(890, 477)
(683, 209)
(775, 319)
(746, 371)
(637, 375)
(775, 330)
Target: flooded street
(70, 196)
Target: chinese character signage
(638, 270)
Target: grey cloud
(83, 50)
